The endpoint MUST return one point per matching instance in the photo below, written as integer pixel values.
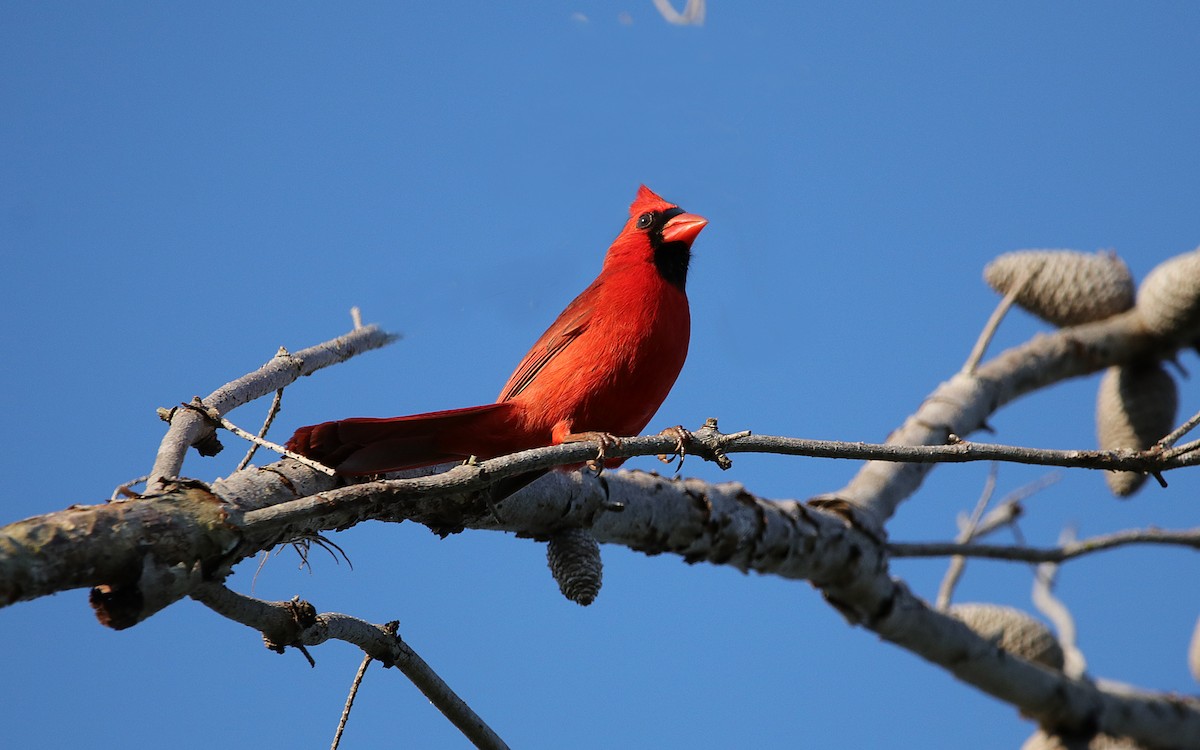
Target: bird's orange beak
(683, 228)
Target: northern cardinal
(601, 370)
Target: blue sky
(184, 188)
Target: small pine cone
(574, 558)
(1012, 630)
(1169, 298)
(1065, 287)
(1135, 407)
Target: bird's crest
(647, 200)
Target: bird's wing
(567, 328)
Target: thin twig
(314, 465)
(1181, 450)
(262, 431)
(1183, 429)
(959, 451)
(307, 512)
(1074, 663)
(992, 325)
(262, 563)
(358, 678)
(1010, 507)
(1002, 516)
(1182, 538)
(356, 317)
(126, 490)
(966, 533)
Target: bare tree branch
(966, 533)
(258, 441)
(354, 686)
(187, 427)
(961, 451)
(294, 501)
(1182, 538)
(272, 412)
(297, 623)
(118, 544)
(979, 526)
(1074, 663)
(478, 476)
(993, 325)
(1011, 506)
(1169, 441)
(962, 404)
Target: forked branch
(296, 623)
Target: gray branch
(297, 623)
(961, 405)
(1182, 538)
(189, 427)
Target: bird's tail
(366, 445)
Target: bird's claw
(681, 437)
(606, 440)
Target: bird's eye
(645, 220)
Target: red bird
(602, 369)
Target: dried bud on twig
(1135, 407)
(574, 558)
(1064, 287)
(1012, 630)
(1169, 298)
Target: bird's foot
(681, 437)
(607, 442)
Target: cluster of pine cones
(1136, 403)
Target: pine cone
(574, 558)
(1065, 287)
(1169, 298)
(1012, 630)
(1135, 408)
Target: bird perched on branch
(601, 370)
